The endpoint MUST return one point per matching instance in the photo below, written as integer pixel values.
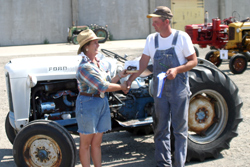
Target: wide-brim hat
(161, 11)
(84, 37)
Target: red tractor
(209, 34)
(229, 40)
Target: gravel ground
(122, 149)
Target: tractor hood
(42, 66)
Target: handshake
(125, 86)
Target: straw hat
(84, 37)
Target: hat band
(88, 39)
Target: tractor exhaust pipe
(206, 19)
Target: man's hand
(171, 73)
(125, 87)
(128, 85)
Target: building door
(187, 12)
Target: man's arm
(143, 65)
(191, 63)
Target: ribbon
(161, 80)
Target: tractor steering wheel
(114, 55)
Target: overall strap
(156, 41)
(173, 43)
(175, 38)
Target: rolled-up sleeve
(92, 78)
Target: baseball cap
(161, 11)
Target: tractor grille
(7, 78)
(231, 33)
(190, 33)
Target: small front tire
(44, 143)
(238, 64)
(215, 59)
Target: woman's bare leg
(84, 150)
(96, 153)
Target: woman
(92, 108)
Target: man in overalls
(172, 52)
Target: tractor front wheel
(214, 58)
(238, 64)
(44, 143)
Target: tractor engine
(54, 100)
(137, 104)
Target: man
(172, 52)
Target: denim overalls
(172, 107)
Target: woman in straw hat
(92, 108)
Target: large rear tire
(44, 143)
(102, 32)
(196, 51)
(215, 88)
(74, 39)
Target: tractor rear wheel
(74, 39)
(215, 59)
(238, 64)
(214, 113)
(196, 51)
(102, 32)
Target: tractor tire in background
(74, 39)
(44, 143)
(213, 58)
(68, 39)
(214, 112)
(102, 32)
(238, 64)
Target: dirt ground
(122, 149)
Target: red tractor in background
(229, 35)
(210, 34)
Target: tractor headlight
(238, 30)
(225, 30)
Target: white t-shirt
(183, 48)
